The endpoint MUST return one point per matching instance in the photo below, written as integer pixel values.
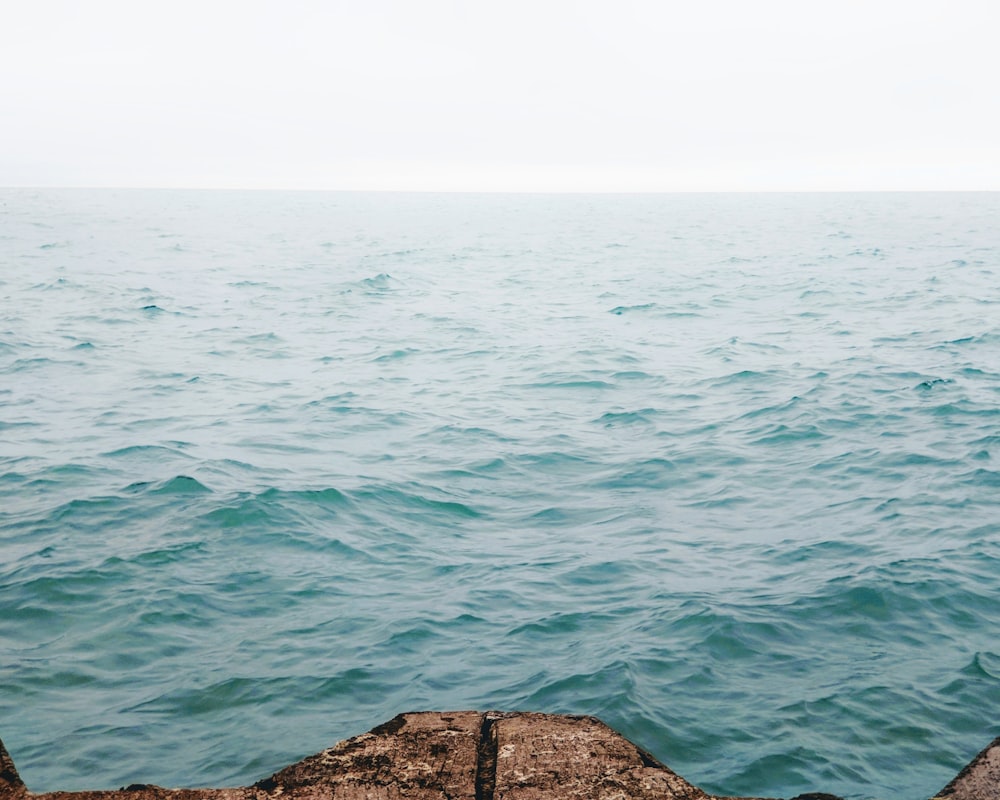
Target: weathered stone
(467, 755)
(536, 756)
(979, 780)
(11, 785)
(429, 756)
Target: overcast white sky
(529, 95)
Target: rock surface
(979, 780)
(468, 755)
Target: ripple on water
(369, 453)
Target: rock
(11, 785)
(467, 755)
(418, 756)
(979, 780)
(538, 756)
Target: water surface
(719, 469)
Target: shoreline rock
(470, 755)
(977, 780)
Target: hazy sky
(512, 95)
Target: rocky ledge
(468, 755)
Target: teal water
(722, 470)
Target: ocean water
(723, 470)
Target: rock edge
(471, 755)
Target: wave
(455, 451)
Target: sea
(722, 470)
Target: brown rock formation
(467, 755)
(979, 779)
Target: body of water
(723, 470)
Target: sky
(547, 95)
